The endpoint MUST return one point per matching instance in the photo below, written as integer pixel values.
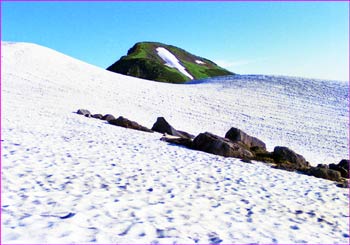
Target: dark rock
(323, 173)
(322, 166)
(184, 134)
(83, 112)
(237, 135)
(339, 167)
(344, 163)
(162, 126)
(126, 123)
(262, 155)
(288, 159)
(97, 116)
(342, 167)
(88, 115)
(108, 117)
(177, 140)
(217, 145)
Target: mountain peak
(165, 63)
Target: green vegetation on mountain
(143, 61)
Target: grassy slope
(143, 57)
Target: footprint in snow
(70, 215)
(214, 238)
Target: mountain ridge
(148, 60)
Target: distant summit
(165, 63)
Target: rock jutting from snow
(237, 144)
(288, 159)
(237, 135)
(344, 163)
(177, 140)
(262, 155)
(324, 173)
(126, 123)
(162, 126)
(217, 145)
(84, 112)
(108, 117)
(342, 167)
(97, 116)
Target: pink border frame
(156, 1)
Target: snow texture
(71, 179)
(172, 61)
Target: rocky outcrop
(126, 123)
(287, 159)
(237, 144)
(324, 173)
(108, 117)
(162, 126)
(262, 155)
(237, 135)
(84, 112)
(177, 140)
(217, 145)
(342, 167)
(344, 163)
(97, 116)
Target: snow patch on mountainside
(199, 62)
(71, 179)
(172, 61)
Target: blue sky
(307, 39)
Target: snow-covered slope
(310, 116)
(71, 179)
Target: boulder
(324, 173)
(84, 112)
(217, 145)
(288, 159)
(344, 163)
(237, 135)
(342, 167)
(262, 155)
(184, 134)
(322, 166)
(97, 116)
(126, 123)
(177, 140)
(108, 117)
(162, 126)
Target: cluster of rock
(120, 121)
(237, 144)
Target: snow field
(125, 186)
